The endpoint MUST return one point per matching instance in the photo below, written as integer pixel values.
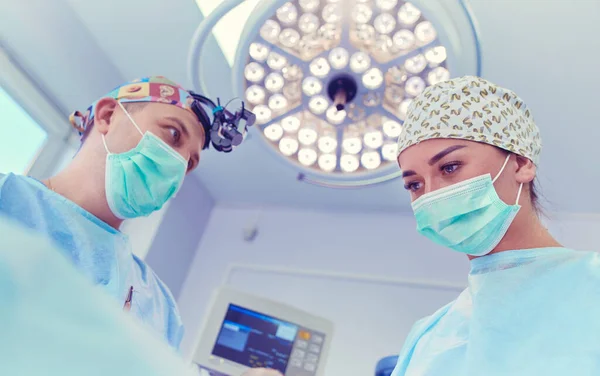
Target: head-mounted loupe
(227, 130)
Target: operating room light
(331, 81)
(307, 136)
(388, 151)
(308, 23)
(288, 146)
(327, 144)
(273, 132)
(276, 61)
(371, 160)
(352, 145)
(385, 23)
(360, 62)
(319, 67)
(291, 124)
(404, 39)
(318, 104)
(255, 94)
(274, 82)
(327, 162)
(392, 129)
(307, 156)
(259, 52)
(349, 163)
(403, 108)
(338, 58)
(408, 14)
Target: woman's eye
(449, 168)
(413, 187)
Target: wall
(69, 66)
(376, 258)
(177, 239)
(370, 273)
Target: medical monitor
(243, 331)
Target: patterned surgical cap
(156, 89)
(471, 108)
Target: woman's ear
(526, 170)
(104, 110)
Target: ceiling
(547, 52)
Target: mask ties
(130, 118)
(500, 173)
(132, 121)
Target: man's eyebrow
(436, 158)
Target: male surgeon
(46, 332)
(137, 144)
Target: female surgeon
(469, 153)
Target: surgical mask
(467, 217)
(140, 181)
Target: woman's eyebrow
(436, 158)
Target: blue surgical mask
(141, 180)
(467, 217)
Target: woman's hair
(534, 196)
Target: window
(21, 138)
(34, 131)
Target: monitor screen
(254, 339)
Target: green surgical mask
(141, 180)
(467, 217)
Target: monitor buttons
(298, 354)
(317, 339)
(297, 363)
(310, 367)
(300, 344)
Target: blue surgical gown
(528, 312)
(54, 322)
(100, 252)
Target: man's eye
(175, 134)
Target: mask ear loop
(500, 173)
(519, 194)
(105, 146)
(502, 169)
(132, 121)
(130, 118)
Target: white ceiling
(547, 51)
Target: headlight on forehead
(226, 130)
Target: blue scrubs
(528, 312)
(53, 322)
(100, 252)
